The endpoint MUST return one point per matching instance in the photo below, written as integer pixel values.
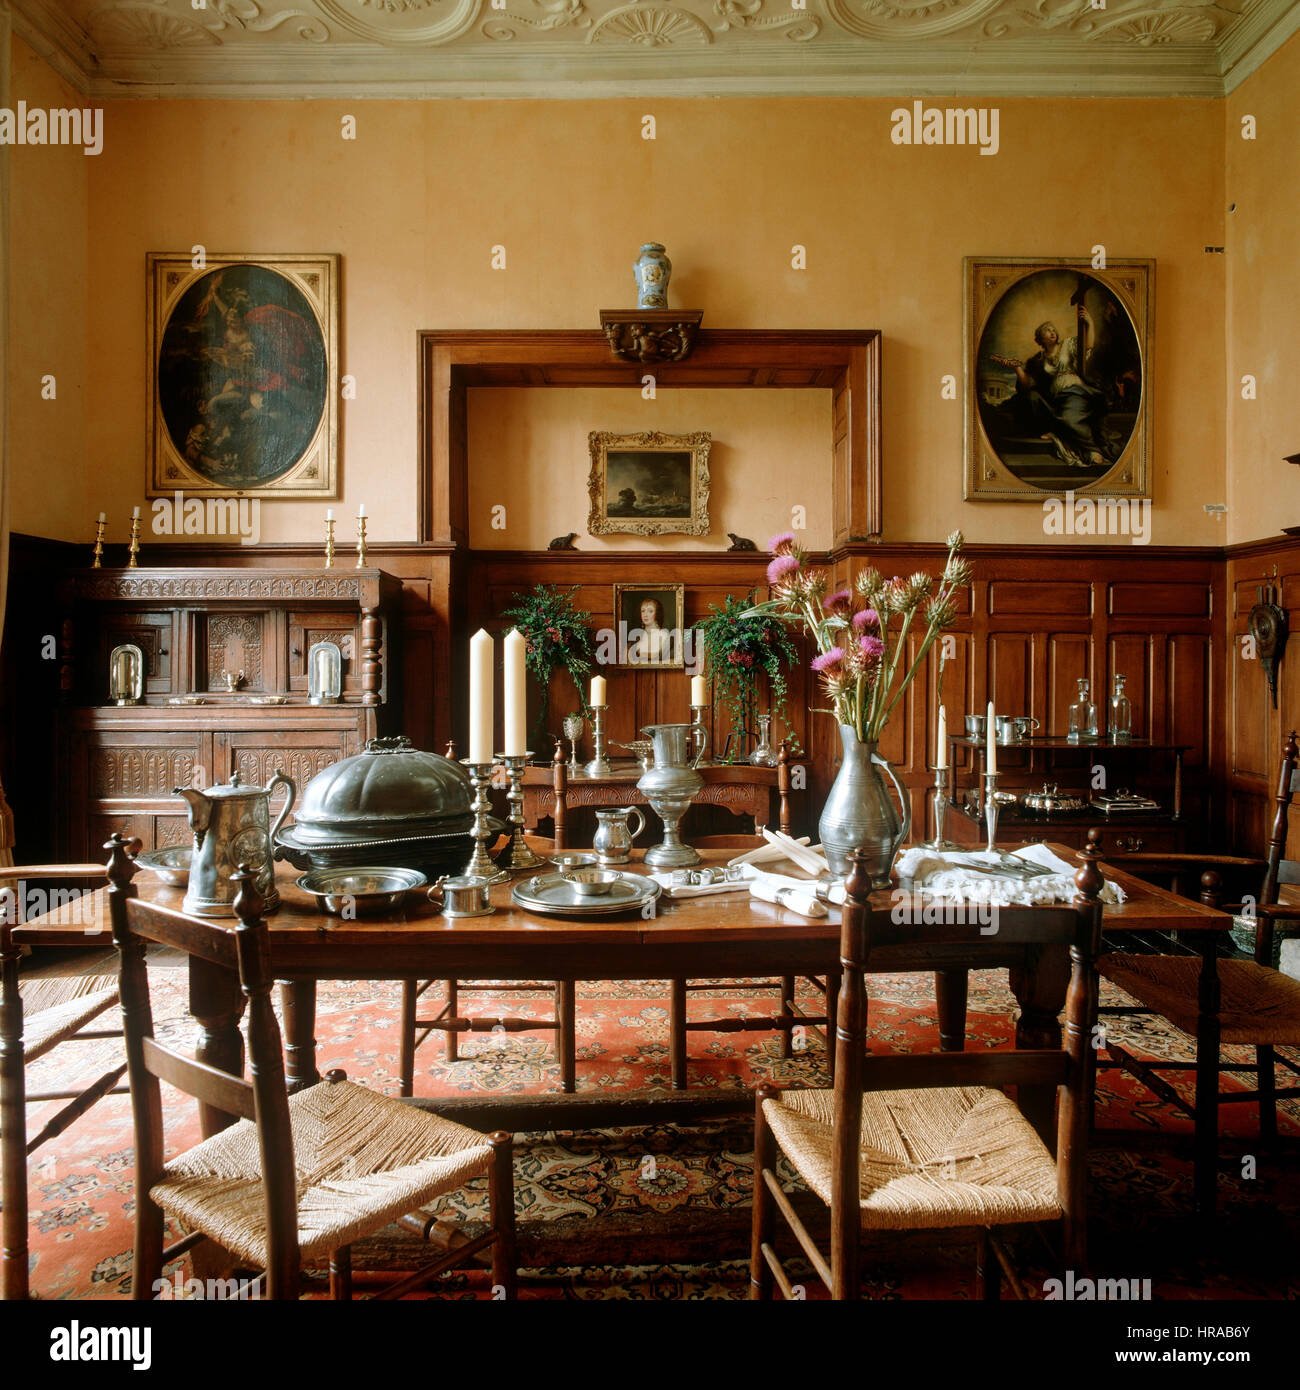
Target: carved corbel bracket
(651, 335)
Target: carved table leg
(217, 1003)
(298, 1000)
(1040, 984)
(950, 1001)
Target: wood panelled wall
(1035, 621)
(1254, 731)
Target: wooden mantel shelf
(847, 363)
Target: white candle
(102, 517)
(598, 690)
(135, 513)
(992, 765)
(361, 509)
(516, 695)
(329, 513)
(480, 697)
(941, 757)
(699, 691)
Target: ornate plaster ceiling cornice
(603, 48)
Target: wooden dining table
(719, 936)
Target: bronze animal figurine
(739, 542)
(564, 542)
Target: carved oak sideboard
(118, 764)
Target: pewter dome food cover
(391, 790)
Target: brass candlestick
(480, 865)
(361, 542)
(98, 562)
(132, 561)
(329, 542)
(517, 856)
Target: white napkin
(933, 876)
(770, 890)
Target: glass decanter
(1121, 712)
(764, 755)
(1083, 716)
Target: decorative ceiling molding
(600, 48)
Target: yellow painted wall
(770, 453)
(1263, 317)
(48, 214)
(416, 203)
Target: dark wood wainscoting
(1036, 620)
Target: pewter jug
(613, 842)
(232, 826)
(859, 815)
(669, 787)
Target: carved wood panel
(132, 772)
(257, 765)
(234, 642)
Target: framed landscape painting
(649, 484)
(243, 366)
(1058, 378)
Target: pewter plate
(552, 895)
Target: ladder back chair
(1242, 1002)
(415, 1030)
(36, 1016)
(932, 1141)
(296, 1177)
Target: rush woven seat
(360, 1161)
(952, 1156)
(1256, 1004)
(50, 1026)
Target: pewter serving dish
(592, 883)
(172, 865)
(364, 890)
(553, 894)
(391, 804)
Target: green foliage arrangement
(739, 646)
(558, 634)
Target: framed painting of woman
(243, 357)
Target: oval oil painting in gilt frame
(244, 355)
(1057, 378)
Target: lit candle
(699, 695)
(135, 513)
(329, 513)
(941, 757)
(516, 697)
(598, 690)
(992, 765)
(361, 509)
(480, 697)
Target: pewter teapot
(232, 826)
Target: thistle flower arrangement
(861, 633)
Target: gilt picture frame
(243, 375)
(1035, 424)
(649, 484)
(649, 625)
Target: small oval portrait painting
(242, 376)
(1059, 379)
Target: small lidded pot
(462, 895)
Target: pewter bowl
(172, 865)
(592, 883)
(362, 891)
(568, 860)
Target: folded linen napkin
(796, 899)
(933, 876)
(748, 873)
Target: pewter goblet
(574, 727)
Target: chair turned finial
(249, 902)
(121, 865)
(1089, 880)
(858, 885)
(1211, 888)
(558, 755)
(450, 754)
(1291, 749)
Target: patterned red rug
(658, 1213)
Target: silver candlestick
(940, 800)
(697, 720)
(991, 810)
(599, 764)
(517, 856)
(480, 865)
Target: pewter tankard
(232, 826)
(613, 842)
